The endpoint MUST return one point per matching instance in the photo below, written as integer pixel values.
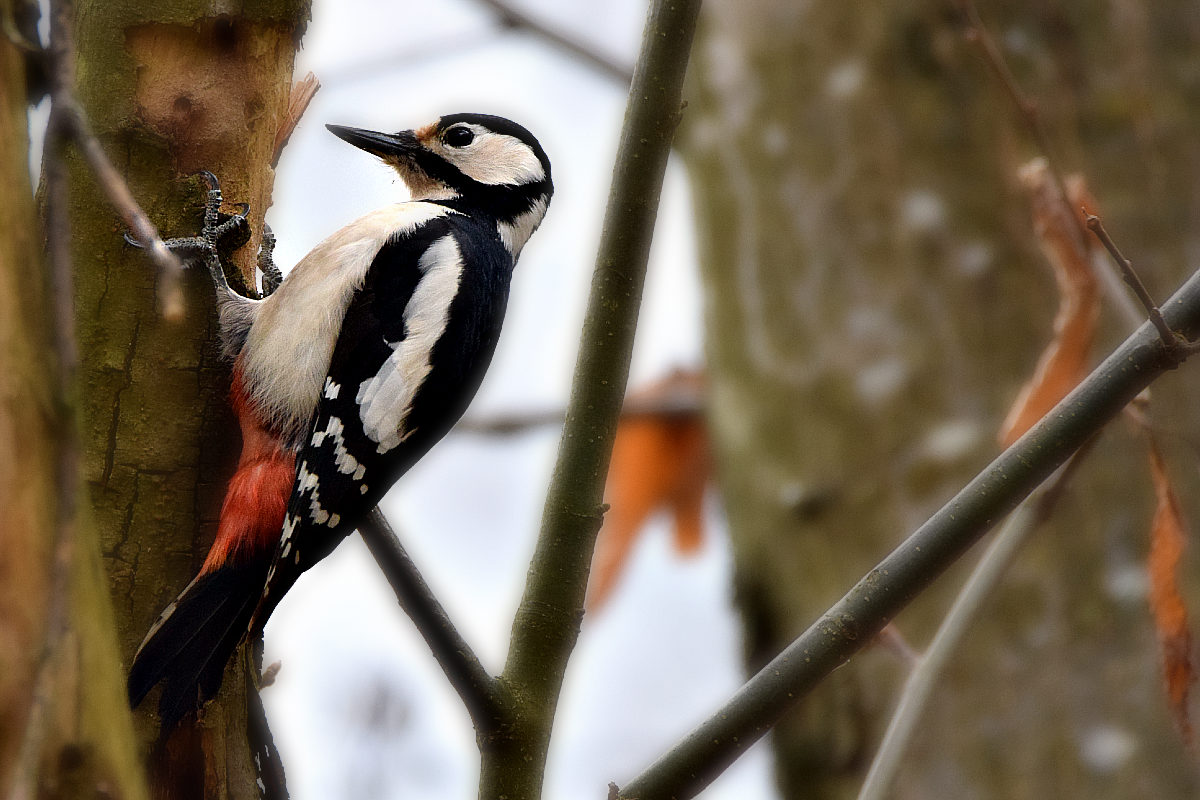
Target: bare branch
(1169, 338)
(508, 16)
(547, 622)
(508, 423)
(1027, 109)
(987, 574)
(855, 619)
(70, 123)
(170, 268)
(514, 17)
(480, 692)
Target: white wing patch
(287, 351)
(386, 399)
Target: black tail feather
(189, 647)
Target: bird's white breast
(289, 346)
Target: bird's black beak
(375, 143)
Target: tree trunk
(875, 299)
(65, 730)
(171, 87)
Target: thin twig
(852, 622)
(370, 67)
(958, 621)
(515, 17)
(480, 692)
(510, 18)
(513, 422)
(1170, 339)
(1026, 107)
(1027, 110)
(170, 268)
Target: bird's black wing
(411, 351)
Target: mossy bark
(170, 88)
(65, 728)
(874, 301)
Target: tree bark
(170, 87)
(874, 301)
(65, 729)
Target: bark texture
(26, 413)
(65, 730)
(170, 87)
(875, 299)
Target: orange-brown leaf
(1167, 542)
(1064, 362)
(660, 460)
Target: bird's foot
(271, 276)
(221, 234)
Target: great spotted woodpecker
(360, 361)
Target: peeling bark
(170, 87)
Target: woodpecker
(363, 357)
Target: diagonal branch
(170, 268)
(960, 619)
(512, 16)
(1027, 110)
(855, 619)
(480, 692)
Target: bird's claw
(213, 184)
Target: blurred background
(850, 281)
(847, 252)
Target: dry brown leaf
(1065, 361)
(660, 461)
(1167, 542)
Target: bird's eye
(459, 137)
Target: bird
(360, 360)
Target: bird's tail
(188, 647)
(191, 642)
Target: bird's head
(474, 162)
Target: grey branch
(514, 17)
(510, 17)
(170, 268)
(547, 621)
(70, 123)
(480, 692)
(960, 619)
(855, 619)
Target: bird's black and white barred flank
(365, 356)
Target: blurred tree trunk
(65, 730)
(171, 87)
(875, 299)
